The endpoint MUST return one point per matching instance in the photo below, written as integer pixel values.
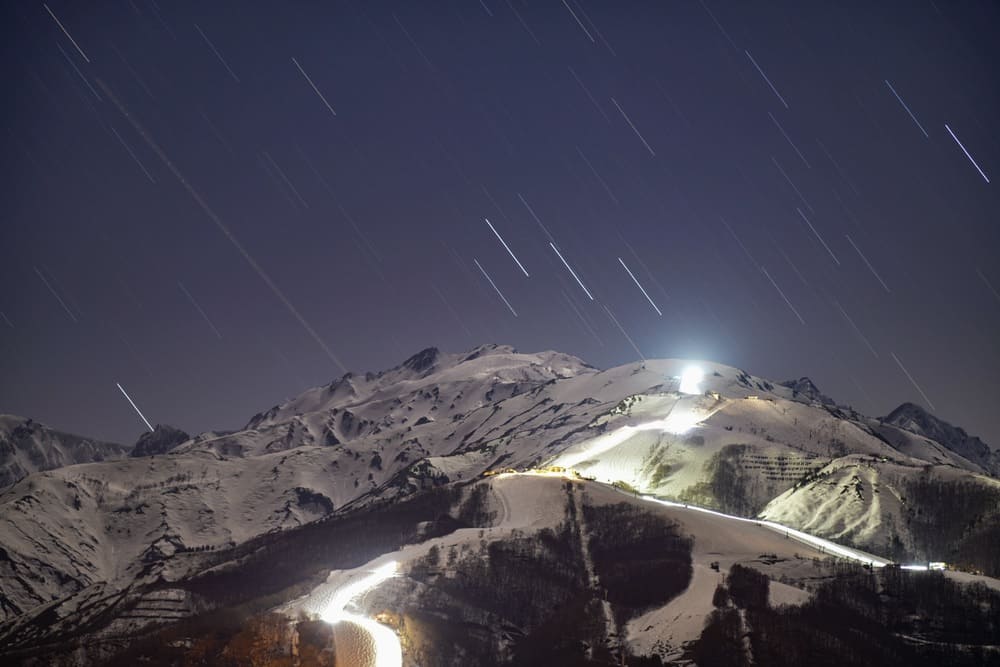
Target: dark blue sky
(812, 228)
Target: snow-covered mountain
(27, 446)
(718, 437)
(160, 440)
(915, 419)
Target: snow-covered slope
(734, 442)
(526, 504)
(895, 507)
(27, 446)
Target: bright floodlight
(690, 379)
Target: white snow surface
(531, 502)
(435, 417)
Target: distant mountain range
(87, 526)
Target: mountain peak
(808, 388)
(160, 440)
(28, 446)
(908, 409)
(423, 360)
(487, 349)
(915, 419)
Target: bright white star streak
(136, 407)
(818, 236)
(169, 164)
(199, 309)
(499, 293)
(527, 206)
(217, 54)
(960, 145)
(65, 32)
(624, 333)
(636, 281)
(572, 272)
(314, 86)
(912, 381)
(789, 140)
(634, 128)
(867, 263)
(764, 271)
(773, 89)
(388, 652)
(56, 295)
(507, 248)
(907, 108)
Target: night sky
(218, 205)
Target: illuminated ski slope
(382, 648)
(824, 545)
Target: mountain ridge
(27, 446)
(737, 442)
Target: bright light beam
(129, 398)
(572, 272)
(499, 293)
(960, 145)
(644, 293)
(507, 248)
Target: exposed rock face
(159, 441)
(915, 419)
(422, 361)
(805, 387)
(27, 446)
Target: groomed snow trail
(610, 627)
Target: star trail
(218, 205)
